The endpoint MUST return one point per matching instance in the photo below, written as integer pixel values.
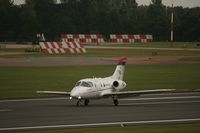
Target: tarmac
(61, 112)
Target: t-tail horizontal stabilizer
(120, 61)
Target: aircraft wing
(136, 93)
(55, 92)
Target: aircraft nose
(74, 93)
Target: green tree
(156, 22)
(96, 16)
(8, 19)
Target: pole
(172, 25)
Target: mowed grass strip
(18, 82)
(139, 52)
(157, 45)
(179, 128)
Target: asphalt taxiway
(46, 113)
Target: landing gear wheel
(115, 102)
(86, 102)
(78, 103)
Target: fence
(62, 47)
(82, 38)
(126, 38)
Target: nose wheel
(78, 103)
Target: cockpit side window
(86, 84)
(78, 83)
(91, 84)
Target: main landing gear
(78, 103)
(86, 102)
(115, 100)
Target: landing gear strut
(78, 103)
(115, 100)
(86, 102)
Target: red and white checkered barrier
(82, 38)
(125, 38)
(62, 47)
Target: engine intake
(115, 84)
(118, 85)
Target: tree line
(23, 22)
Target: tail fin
(119, 71)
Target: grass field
(179, 128)
(158, 45)
(25, 81)
(139, 52)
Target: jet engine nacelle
(118, 84)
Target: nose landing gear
(78, 103)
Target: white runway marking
(160, 98)
(102, 124)
(35, 99)
(5, 110)
(154, 103)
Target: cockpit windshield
(78, 83)
(84, 84)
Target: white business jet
(94, 88)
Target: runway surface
(45, 113)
